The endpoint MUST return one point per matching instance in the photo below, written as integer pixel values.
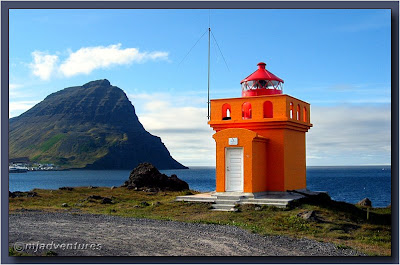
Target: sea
(350, 184)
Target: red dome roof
(262, 74)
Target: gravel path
(119, 236)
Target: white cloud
(13, 90)
(18, 107)
(43, 64)
(349, 134)
(182, 128)
(87, 59)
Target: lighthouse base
(229, 201)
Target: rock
(146, 177)
(151, 190)
(66, 188)
(64, 205)
(22, 194)
(95, 197)
(113, 187)
(106, 200)
(156, 203)
(31, 194)
(365, 202)
(144, 204)
(309, 216)
(92, 187)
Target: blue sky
(338, 60)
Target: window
(246, 111)
(291, 110)
(298, 113)
(226, 111)
(263, 83)
(268, 110)
(305, 114)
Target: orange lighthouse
(260, 137)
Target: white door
(234, 169)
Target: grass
(341, 223)
(50, 142)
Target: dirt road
(101, 235)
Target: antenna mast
(208, 90)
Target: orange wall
(254, 158)
(245, 138)
(278, 165)
(260, 173)
(295, 160)
(275, 154)
(280, 105)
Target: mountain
(92, 126)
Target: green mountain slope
(91, 126)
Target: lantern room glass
(261, 84)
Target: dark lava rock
(22, 194)
(146, 177)
(106, 200)
(365, 202)
(95, 197)
(66, 188)
(309, 216)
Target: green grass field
(341, 223)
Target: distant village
(22, 165)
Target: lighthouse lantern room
(260, 137)
(261, 82)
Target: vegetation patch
(44, 147)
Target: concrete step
(232, 202)
(224, 210)
(263, 201)
(227, 207)
(229, 197)
(279, 205)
